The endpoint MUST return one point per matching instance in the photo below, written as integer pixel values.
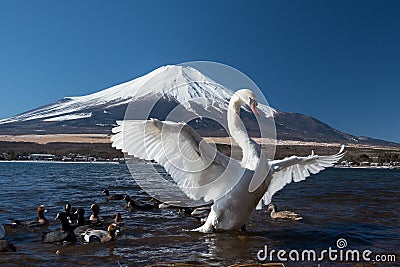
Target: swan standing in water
(202, 172)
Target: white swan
(200, 171)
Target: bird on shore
(93, 235)
(202, 172)
(284, 214)
(64, 234)
(113, 196)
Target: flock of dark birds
(75, 227)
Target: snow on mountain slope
(70, 117)
(182, 83)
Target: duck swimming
(94, 217)
(40, 224)
(92, 235)
(70, 211)
(64, 234)
(113, 196)
(82, 225)
(119, 223)
(284, 214)
(137, 205)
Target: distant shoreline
(58, 161)
(74, 147)
(368, 167)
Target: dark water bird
(92, 235)
(80, 213)
(94, 217)
(70, 211)
(120, 224)
(7, 246)
(64, 234)
(284, 214)
(138, 205)
(82, 225)
(40, 223)
(96, 220)
(113, 196)
(2, 231)
(170, 205)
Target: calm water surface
(362, 206)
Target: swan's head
(247, 96)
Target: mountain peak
(183, 83)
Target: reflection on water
(361, 206)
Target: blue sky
(338, 61)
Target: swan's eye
(253, 101)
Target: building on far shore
(46, 157)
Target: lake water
(362, 206)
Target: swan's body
(200, 171)
(283, 214)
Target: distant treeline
(18, 150)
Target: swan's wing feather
(296, 169)
(195, 165)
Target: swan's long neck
(239, 134)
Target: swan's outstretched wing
(195, 165)
(296, 169)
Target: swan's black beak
(253, 107)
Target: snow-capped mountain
(180, 83)
(165, 88)
(177, 82)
